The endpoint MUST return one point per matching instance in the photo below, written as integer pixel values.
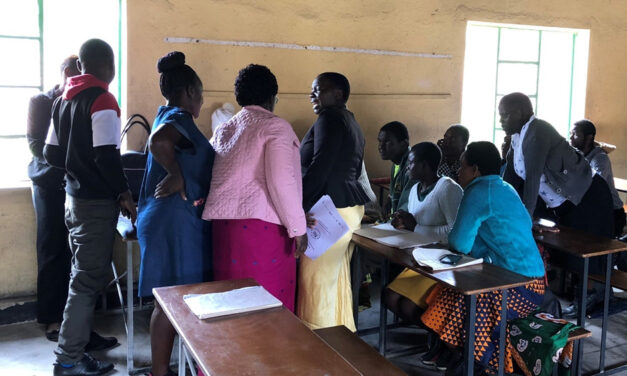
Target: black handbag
(134, 162)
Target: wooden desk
(469, 281)
(357, 352)
(269, 342)
(584, 245)
(620, 185)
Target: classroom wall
(424, 93)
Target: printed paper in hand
(386, 234)
(246, 299)
(430, 258)
(330, 227)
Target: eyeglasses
(276, 99)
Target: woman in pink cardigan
(255, 200)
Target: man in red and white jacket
(84, 142)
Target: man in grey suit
(545, 169)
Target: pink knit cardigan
(256, 172)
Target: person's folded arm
(52, 152)
(328, 137)
(282, 166)
(535, 151)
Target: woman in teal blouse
(493, 224)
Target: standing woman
(331, 156)
(175, 242)
(256, 191)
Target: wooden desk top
(620, 184)
(357, 352)
(469, 280)
(269, 342)
(579, 243)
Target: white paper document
(246, 299)
(330, 227)
(430, 258)
(386, 234)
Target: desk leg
(581, 316)
(356, 278)
(469, 345)
(502, 334)
(383, 312)
(606, 303)
(130, 344)
(181, 357)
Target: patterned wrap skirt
(447, 312)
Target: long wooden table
(469, 281)
(268, 342)
(584, 245)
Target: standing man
(541, 163)
(394, 146)
(53, 253)
(582, 138)
(452, 145)
(84, 142)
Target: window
(547, 64)
(35, 37)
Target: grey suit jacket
(546, 152)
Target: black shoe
(53, 335)
(457, 369)
(87, 366)
(430, 357)
(446, 359)
(98, 342)
(570, 312)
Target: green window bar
(40, 38)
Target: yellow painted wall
(423, 93)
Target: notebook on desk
(439, 259)
(386, 234)
(246, 299)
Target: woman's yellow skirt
(324, 285)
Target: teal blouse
(493, 223)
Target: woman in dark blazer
(331, 158)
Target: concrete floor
(24, 351)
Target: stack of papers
(430, 258)
(246, 299)
(386, 234)
(329, 228)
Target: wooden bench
(357, 352)
(577, 334)
(618, 279)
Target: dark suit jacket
(546, 152)
(331, 155)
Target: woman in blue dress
(175, 242)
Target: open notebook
(430, 259)
(245, 299)
(386, 234)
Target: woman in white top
(432, 205)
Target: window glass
(519, 45)
(20, 63)
(517, 77)
(19, 18)
(16, 100)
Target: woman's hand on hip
(169, 185)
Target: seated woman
(432, 205)
(491, 223)
(256, 191)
